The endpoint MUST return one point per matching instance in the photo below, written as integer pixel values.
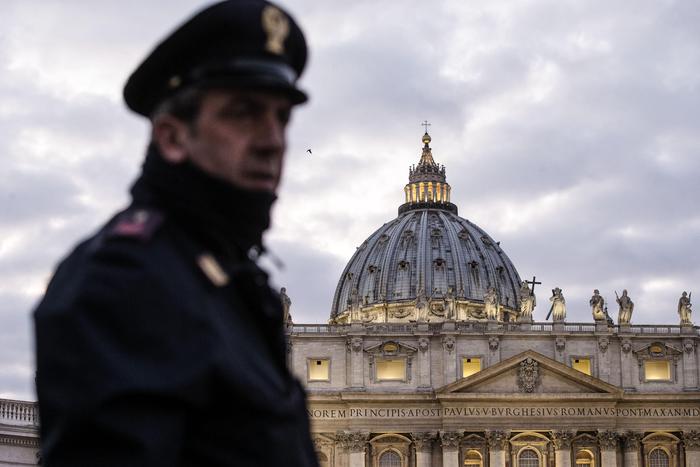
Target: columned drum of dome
(428, 264)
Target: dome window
(372, 269)
(403, 265)
(439, 263)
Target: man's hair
(184, 105)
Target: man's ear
(170, 134)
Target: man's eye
(284, 116)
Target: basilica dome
(428, 264)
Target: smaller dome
(426, 138)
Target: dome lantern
(427, 183)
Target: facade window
(390, 459)
(584, 459)
(391, 369)
(582, 364)
(659, 458)
(657, 370)
(470, 365)
(473, 459)
(528, 458)
(319, 369)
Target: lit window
(473, 458)
(391, 369)
(528, 458)
(319, 369)
(470, 365)
(658, 458)
(389, 459)
(657, 370)
(582, 364)
(584, 459)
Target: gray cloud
(569, 132)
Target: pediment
(391, 348)
(530, 373)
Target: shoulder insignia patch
(140, 224)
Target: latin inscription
(513, 412)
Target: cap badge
(276, 26)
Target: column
(690, 366)
(424, 448)
(449, 358)
(357, 374)
(357, 443)
(604, 359)
(424, 362)
(631, 442)
(607, 441)
(627, 364)
(691, 444)
(450, 448)
(498, 447)
(562, 447)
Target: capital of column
(631, 440)
(608, 439)
(353, 441)
(562, 438)
(691, 440)
(450, 439)
(423, 440)
(497, 439)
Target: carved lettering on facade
(500, 412)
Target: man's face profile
(238, 136)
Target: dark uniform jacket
(159, 343)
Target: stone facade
(527, 403)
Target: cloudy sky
(569, 130)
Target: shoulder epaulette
(139, 224)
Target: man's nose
(271, 132)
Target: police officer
(159, 341)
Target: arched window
(528, 458)
(472, 458)
(659, 458)
(389, 459)
(584, 458)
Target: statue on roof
(491, 304)
(684, 308)
(558, 308)
(421, 306)
(286, 304)
(527, 302)
(626, 304)
(597, 303)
